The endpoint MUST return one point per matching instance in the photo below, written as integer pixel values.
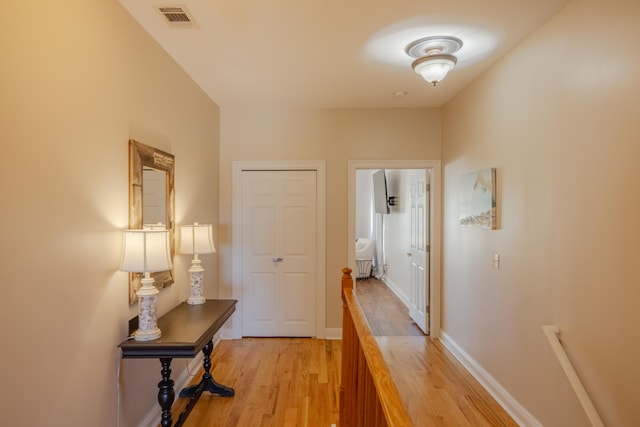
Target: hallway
(296, 381)
(386, 313)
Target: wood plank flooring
(385, 313)
(279, 382)
(294, 382)
(438, 389)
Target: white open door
(419, 254)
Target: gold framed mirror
(151, 202)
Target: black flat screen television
(380, 196)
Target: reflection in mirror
(154, 208)
(151, 201)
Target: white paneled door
(279, 253)
(419, 298)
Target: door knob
(277, 259)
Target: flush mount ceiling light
(434, 56)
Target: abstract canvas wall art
(478, 199)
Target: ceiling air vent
(177, 16)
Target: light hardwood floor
(385, 313)
(279, 382)
(287, 382)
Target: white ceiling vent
(177, 16)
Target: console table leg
(207, 383)
(210, 384)
(166, 394)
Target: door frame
(236, 230)
(435, 223)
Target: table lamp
(196, 239)
(146, 251)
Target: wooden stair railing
(368, 395)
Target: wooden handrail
(368, 395)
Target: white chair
(364, 256)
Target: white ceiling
(334, 53)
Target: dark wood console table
(186, 330)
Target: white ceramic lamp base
(197, 291)
(147, 320)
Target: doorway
(262, 292)
(431, 253)
(278, 253)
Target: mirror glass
(154, 200)
(151, 202)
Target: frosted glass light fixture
(434, 56)
(196, 239)
(146, 251)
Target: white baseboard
(396, 290)
(518, 412)
(225, 334)
(333, 334)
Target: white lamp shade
(146, 251)
(434, 68)
(196, 239)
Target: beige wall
(558, 118)
(78, 79)
(335, 136)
